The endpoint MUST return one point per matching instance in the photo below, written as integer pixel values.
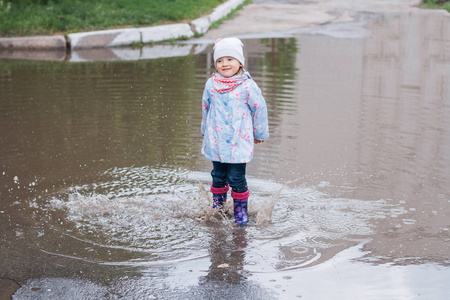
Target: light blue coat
(232, 120)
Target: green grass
(230, 16)
(437, 4)
(34, 17)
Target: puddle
(104, 192)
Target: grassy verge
(230, 16)
(47, 17)
(437, 4)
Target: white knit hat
(229, 47)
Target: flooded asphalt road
(104, 190)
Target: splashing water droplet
(264, 216)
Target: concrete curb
(104, 38)
(33, 43)
(201, 25)
(120, 37)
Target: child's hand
(258, 141)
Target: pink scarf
(224, 85)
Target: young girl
(234, 120)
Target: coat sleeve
(205, 107)
(258, 107)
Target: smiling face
(227, 66)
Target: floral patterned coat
(231, 120)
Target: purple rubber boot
(219, 196)
(240, 207)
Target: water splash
(291, 225)
(264, 214)
(261, 208)
(209, 214)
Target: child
(234, 120)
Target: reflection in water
(405, 106)
(371, 125)
(227, 256)
(101, 166)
